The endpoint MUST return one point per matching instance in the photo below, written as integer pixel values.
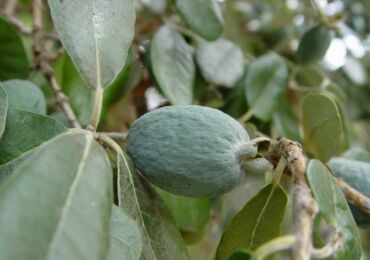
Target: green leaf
(285, 120)
(161, 237)
(24, 95)
(258, 222)
(3, 109)
(96, 34)
(190, 214)
(125, 236)
(75, 88)
(13, 58)
(173, 65)
(221, 62)
(334, 208)
(25, 131)
(202, 16)
(322, 126)
(57, 204)
(314, 44)
(236, 103)
(265, 84)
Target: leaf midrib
(68, 201)
(97, 53)
(260, 216)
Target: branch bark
(41, 63)
(305, 207)
(9, 7)
(354, 196)
(8, 13)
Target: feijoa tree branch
(8, 13)
(354, 197)
(41, 63)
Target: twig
(354, 196)
(8, 13)
(56, 55)
(9, 7)
(41, 63)
(273, 246)
(18, 24)
(305, 207)
(329, 249)
(244, 118)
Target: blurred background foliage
(253, 29)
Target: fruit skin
(314, 44)
(357, 174)
(188, 150)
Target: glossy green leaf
(96, 34)
(309, 77)
(265, 84)
(221, 62)
(125, 236)
(334, 208)
(173, 65)
(285, 120)
(190, 214)
(57, 204)
(202, 16)
(161, 237)
(322, 126)
(25, 131)
(236, 103)
(314, 44)
(24, 95)
(3, 109)
(75, 88)
(357, 174)
(14, 63)
(258, 222)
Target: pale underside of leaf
(96, 34)
(59, 191)
(71, 193)
(125, 236)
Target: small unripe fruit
(190, 150)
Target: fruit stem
(244, 118)
(279, 170)
(273, 246)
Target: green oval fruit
(189, 150)
(314, 44)
(357, 174)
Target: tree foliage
(75, 75)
